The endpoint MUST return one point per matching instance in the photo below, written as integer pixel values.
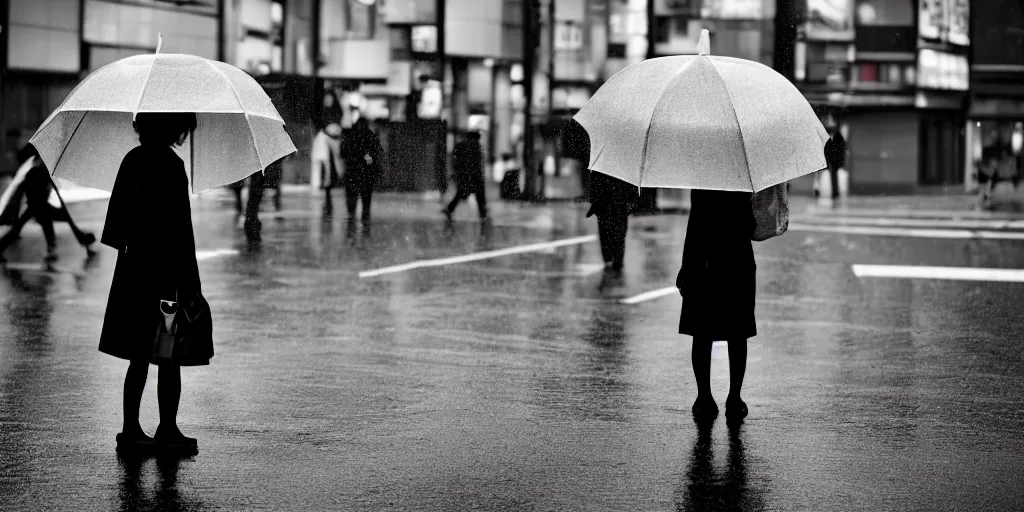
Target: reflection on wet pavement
(520, 381)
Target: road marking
(205, 255)
(586, 269)
(651, 295)
(909, 232)
(952, 273)
(898, 222)
(477, 256)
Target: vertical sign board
(959, 22)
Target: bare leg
(737, 367)
(735, 408)
(700, 358)
(134, 384)
(168, 393)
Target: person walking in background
(258, 183)
(149, 223)
(717, 282)
(33, 182)
(326, 157)
(468, 163)
(364, 159)
(835, 157)
(611, 199)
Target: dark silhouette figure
(149, 222)
(258, 183)
(611, 199)
(35, 188)
(468, 162)
(718, 281)
(709, 488)
(835, 158)
(364, 159)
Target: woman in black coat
(149, 222)
(717, 282)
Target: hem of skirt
(205, 362)
(733, 336)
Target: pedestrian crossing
(912, 224)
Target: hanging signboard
(941, 70)
(959, 22)
(829, 20)
(733, 9)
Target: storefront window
(997, 148)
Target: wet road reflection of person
(152, 484)
(711, 487)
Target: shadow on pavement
(711, 486)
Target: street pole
(551, 92)
(531, 13)
(441, 171)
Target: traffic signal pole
(531, 39)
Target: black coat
(835, 151)
(468, 163)
(356, 144)
(718, 276)
(607, 192)
(149, 222)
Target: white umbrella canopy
(238, 133)
(705, 122)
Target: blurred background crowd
(927, 94)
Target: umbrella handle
(704, 46)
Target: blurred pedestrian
(258, 183)
(611, 199)
(468, 163)
(717, 283)
(149, 222)
(32, 182)
(364, 160)
(835, 157)
(327, 163)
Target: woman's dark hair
(27, 151)
(163, 129)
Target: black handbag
(184, 333)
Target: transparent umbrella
(238, 133)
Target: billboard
(941, 70)
(829, 20)
(945, 21)
(733, 9)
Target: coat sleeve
(115, 231)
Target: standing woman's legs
(134, 384)
(700, 358)
(734, 405)
(168, 393)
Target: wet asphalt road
(515, 383)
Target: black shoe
(447, 214)
(134, 443)
(174, 440)
(736, 409)
(705, 409)
(87, 240)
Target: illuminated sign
(945, 20)
(941, 70)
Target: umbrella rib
(743, 142)
(70, 139)
(145, 83)
(238, 98)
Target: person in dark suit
(835, 157)
(717, 282)
(35, 185)
(468, 162)
(611, 199)
(149, 223)
(364, 159)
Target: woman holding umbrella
(149, 222)
(727, 129)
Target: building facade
(892, 76)
(995, 123)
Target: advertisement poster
(733, 9)
(829, 20)
(959, 22)
(940, 70)
(932, 19)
